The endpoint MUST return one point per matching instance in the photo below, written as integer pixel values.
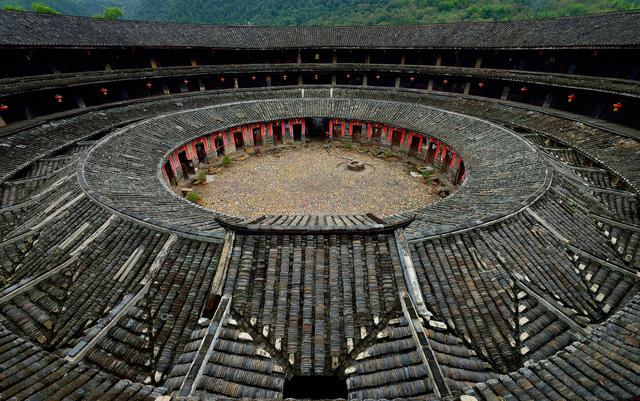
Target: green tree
(110, 13)
(43, 8)
(12, 7)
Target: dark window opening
(213, 300)
(315, 388)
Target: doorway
(413, 147)
(257, 136)
(315, 388)
(297, 132)
(238, 139)
(317, 128)
(219, 143)
(169, 171)
(201, 152)
(277, 134)
(356, 133)
(396, 137)
(185, 164)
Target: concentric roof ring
(123, 171)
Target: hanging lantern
(617, 106)
(481, 85)
(284, 77)
(186, 81)
(58, 98)
(377, 76)
(148, 85)
(445, 81)
(4, 107)
(348, 76)
(104, 91)
(412, 79)
(571, 98)
(524, 89)
(315, 77)
(253, 77)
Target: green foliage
(387, 153)
(12, 7)
(193, 197)
(367, 12)
(43, 8)
(110, 13)
(226, 160)
(201, 176)
(347, 144)
(427, 175)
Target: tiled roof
(620, 29)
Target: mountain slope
(336, 12)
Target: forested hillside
(335, 12)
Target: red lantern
(221, 79)
(412, 79)
(445, 81)
(186, 81)
(253, 77)
(58, 98)
(524, 89)
(104, 91)
(481, 85)
(148, 85)
(4, 107)
(571, 98)
(617, 106)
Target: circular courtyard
(314, 180)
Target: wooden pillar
(439, 60)
(299, 57)
(300, 80)
(235, 83)
(201, 84)
(194, 63)
(467, 88)
(430, 86)
(154, 64)
(478, 62)
(2, 122)
(548, 100)
(364, 80)
(402, 60)
(80, 102)
(334, 60)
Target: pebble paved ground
(310, 181)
